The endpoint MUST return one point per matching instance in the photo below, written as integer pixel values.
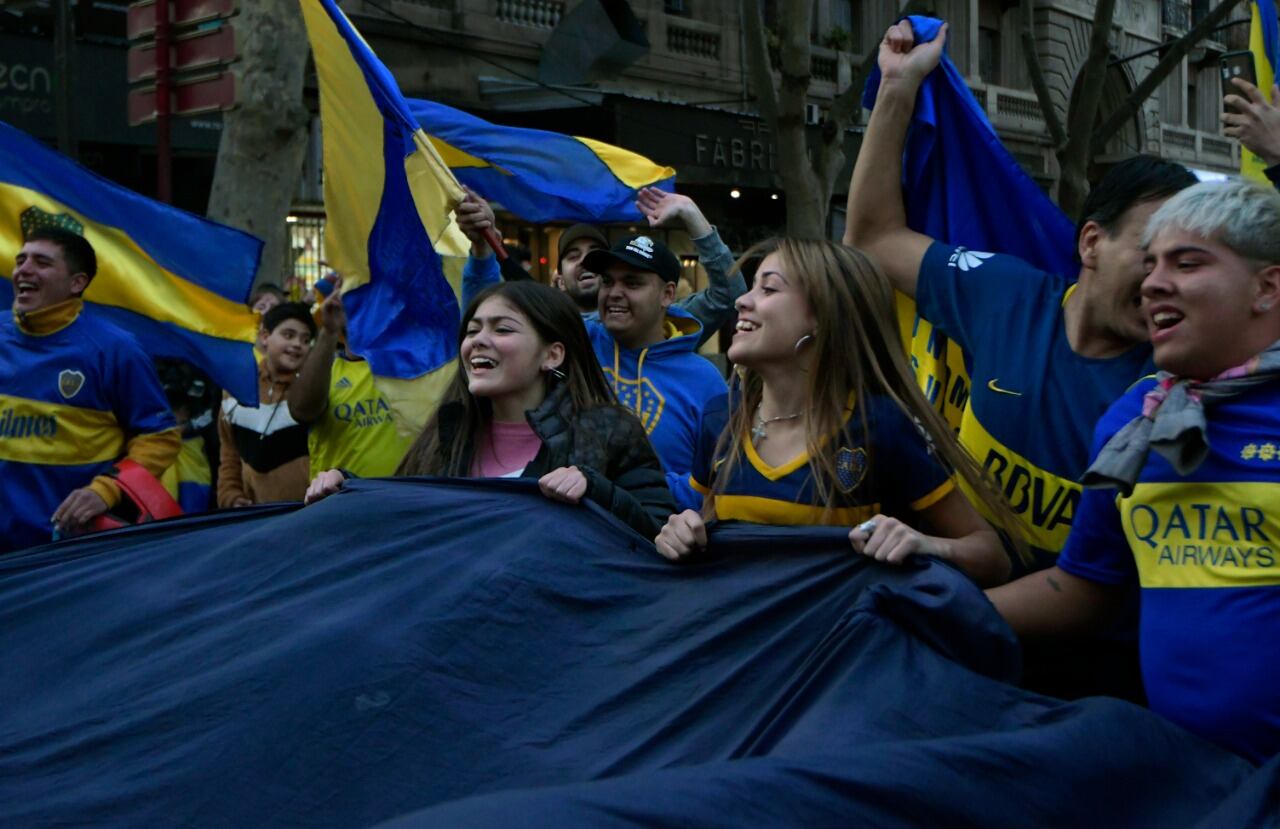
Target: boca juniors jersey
(1033, 401)
(69, 402)
(887, 468)
(1205, 550)
(357, 431)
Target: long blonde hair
(856, 351)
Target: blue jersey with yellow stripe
(1033, 401)
(887, 468)
(69, 402)
(1205, 550)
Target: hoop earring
(803, 341)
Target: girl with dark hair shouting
(827, 425)
(529, 401)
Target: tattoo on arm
(1057, 588)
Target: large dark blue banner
(457, 653)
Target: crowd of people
(1138, 399)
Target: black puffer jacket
(606, 443)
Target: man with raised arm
(1183, 496)
(1049, 352)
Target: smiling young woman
(827, 424)
(530, 401)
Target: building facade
(687, 101)
(665, 78)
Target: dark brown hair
(556, 320)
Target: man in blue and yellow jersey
(76, 395)
(1183, 496)
(1048, 352)
(350, 421)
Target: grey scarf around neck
(1176, 429)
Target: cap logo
(642, 245)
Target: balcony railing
(1194, 147)
(536, 14)
(1012, 108)
(689, 42)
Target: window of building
(676, 6)
(989, 55)
(842, 14)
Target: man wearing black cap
(712, 307)
(648, 349)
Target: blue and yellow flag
(177, 282)
(961, 186)
(538, 175)
(1264, 42)
(389, 199)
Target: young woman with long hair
(530, 401)
(827, 424)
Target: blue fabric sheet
(470, 654)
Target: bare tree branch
(1177, 51)
(1057, 133)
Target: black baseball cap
(640, 252)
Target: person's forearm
(478, 274)
(154, 452)
(979, 554)
(1053, 603)
(230, 481)
(875, 189)
(308, 395)
(717, 260)
(713, 306)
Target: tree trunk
(264, 138)
(1075, 155)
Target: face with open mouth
(1120, 271)
(1200, 303)
(286, 346)
(581, 285)
(772, 317)
(41, 277)
(502, 354)
(633, 305)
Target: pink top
(504, 450)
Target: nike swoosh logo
(992, 385)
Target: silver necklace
(761, 430)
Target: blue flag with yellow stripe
(960, 185)
(389, 199)
(541, 176)
(1264, 42)
(175, 281)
